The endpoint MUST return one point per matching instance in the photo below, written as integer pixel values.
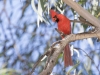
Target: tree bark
(82, 12)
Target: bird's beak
(54, 19)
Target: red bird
(64, 26)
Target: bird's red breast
(64, 24)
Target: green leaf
(79, 72)
(98, 15)
(8, 71)
(83, 20)
(43, 2)
(47, 19)
(60, 56)
(85, 26)
(82, 2)
(74, 67)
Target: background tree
(26, 35)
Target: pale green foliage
(7, 71)
(39, 11)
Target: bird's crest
(53, 14)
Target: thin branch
(84, 13)
(61, 33)
(85, 22)
(91, 60)
(35, 65)
(48, 53)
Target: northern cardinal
(64, 26)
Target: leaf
(60, 6)
(43, 2)
(77, 52)
(34, 8)
(60, 56)
(90, 41)
(74, 67)
(40, 12)
(98, 15)
(85, 26)
(83, 20)
(47, 19)
(79, 72)
(82, 2)
(6, 71)
(74, 49)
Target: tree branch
(84, 13)
(62, 44)
(85, 22)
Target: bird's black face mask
(56, 19)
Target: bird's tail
(67, 57)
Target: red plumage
(64, 26)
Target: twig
(35, 65)
(48, 54)
(82, 12)
(85, 22)
(48, 58)
(55, 43)
(61, 33)
(90, 59)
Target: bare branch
(91, 60)
(84, 13)
(48, 53)
(85, 22)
